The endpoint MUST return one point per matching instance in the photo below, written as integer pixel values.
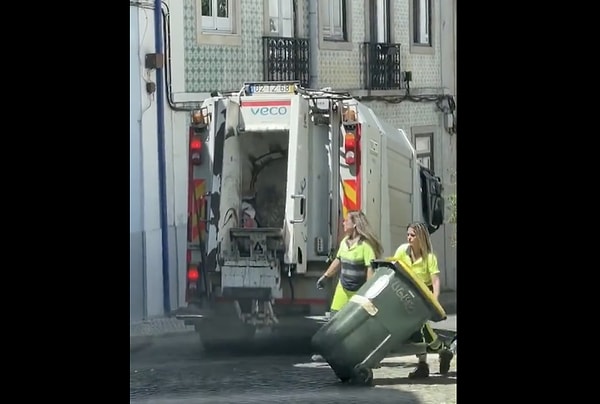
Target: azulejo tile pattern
(220, 67)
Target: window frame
(210, 36)
(218, 24)
(344, 41)
(383, 21)
(267, 16)
(414, 24)
(425, 132)
(331, 34)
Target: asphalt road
(174, 369)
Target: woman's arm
(368, 258)
(331, 270)
(335, 266)
(434, 272)
(369, 272)
(435, 282)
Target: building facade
(398, 56)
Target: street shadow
(343, 395)
(396, 364)
(434, 379)
(256, 381)
(261, 347)
(447, 335)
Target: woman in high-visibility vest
(417, 254)
(356, 251)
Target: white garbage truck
(273, 169)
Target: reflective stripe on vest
(353, 272)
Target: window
(382, 22)
(424, 149)
(216, 16)
(421, 27)
(335, 28)
(421, 22)
(334, 21)
(218, 22)
(281, 18)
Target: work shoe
(445, 358)
(317, 358)
(421, 371)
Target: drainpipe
(162, 175)
(313, 34)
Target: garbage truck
(273, 170)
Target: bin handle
(388, 264)
(365, 303)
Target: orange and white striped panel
(197, 211)
(350, 200)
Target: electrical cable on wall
(444, 102)
(142, 4)
(145, 74)
(168, 76)
(166, 26)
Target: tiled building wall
(425, 69)
(220, 67)
(343, 69)
(406, 114)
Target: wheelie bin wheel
(343, 376)
(362, 376)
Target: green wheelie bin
(382, 315)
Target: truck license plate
(270, 88)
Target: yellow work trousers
(341, 296)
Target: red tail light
(195, 150)
(196, 144)
(193, 275)
(350, 148)
(192, 290)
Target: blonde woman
(417, 254)
(356, 251)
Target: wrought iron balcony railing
(382, 66)
(286, 59)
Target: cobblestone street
(174, 369)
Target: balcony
(286, 59)
(381, 66)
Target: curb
(158, 326)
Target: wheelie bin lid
(438, 312)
